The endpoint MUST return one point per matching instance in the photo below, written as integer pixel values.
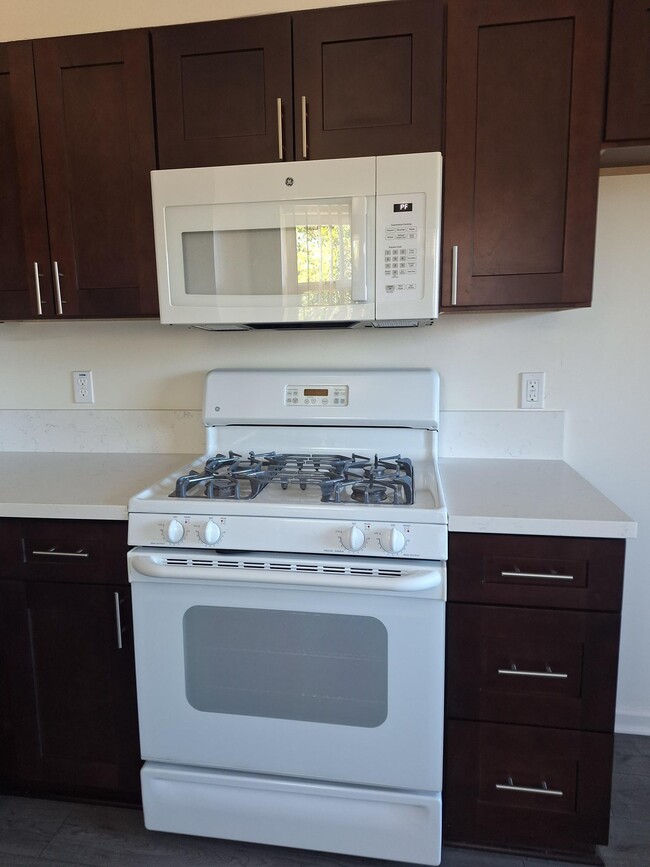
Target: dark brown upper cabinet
(524, 110)
(223, 92)
(24, 246)
(79, 140)
(368, 79)
(335, 82)
(628, 98)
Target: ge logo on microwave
(289, 182)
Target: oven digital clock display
(316, 395)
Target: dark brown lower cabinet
(527, 786)
(69, 720)
(533, 627)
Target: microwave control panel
(400, 246)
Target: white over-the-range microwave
(326, 243)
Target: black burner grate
(340, 478)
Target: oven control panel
(297, 535)
(316, 395)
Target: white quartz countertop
(543, 498)
(78, 485)
(539, 497)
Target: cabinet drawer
(543, 571)
(64, 550)
(532, 666)
(524, 786)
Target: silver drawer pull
(278, 105)
(454, 275)
(303, 113)
(530, 790)
(548, 673)
(37, 286)
(54, 553)
(552, 576)
(57, 289)
(118, 620)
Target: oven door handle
(144, 566)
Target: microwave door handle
(359, 221)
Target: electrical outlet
(82, 383)
(532, 391)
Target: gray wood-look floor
(41, 833)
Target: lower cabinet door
(532, 666)
(70, 691)
(522, 786)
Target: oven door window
(293, 665)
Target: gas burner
(368, 492)
(382, 480)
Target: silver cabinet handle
(522, 673)
(554, 576)
(303, 112)
(454, 275)
(54, 553)
(118, 620)
(37, 285)
(280, 137)
(531, 790)
(57, 286)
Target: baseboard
(632, 722)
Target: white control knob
(175, 531)
(353, 539)
(211, 533)
(392, 540)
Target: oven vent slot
(286, 566)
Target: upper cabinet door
(524, 111)
(368, 79)
(96, 119)
(628, 101)
(25, 285)
(223, 92)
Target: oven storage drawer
(539, 571)
(514, 786)
(532, 666)
(358, 820)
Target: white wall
(597, 360)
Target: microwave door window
(235, 262)
(317, 252)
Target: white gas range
(288, 593)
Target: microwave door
(270, 262)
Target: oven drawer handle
(522, 673)
(54, 553)
(530, 790)
(420, 579)
(553, 576)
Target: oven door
(302, 680)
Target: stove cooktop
(339, 478)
